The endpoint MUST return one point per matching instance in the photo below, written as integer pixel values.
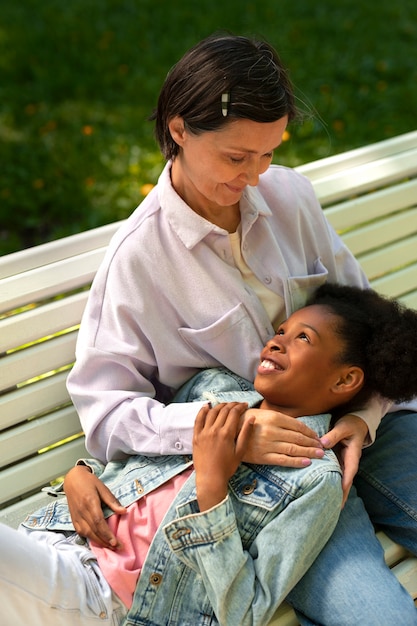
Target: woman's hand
(219, 443)
(85, 493)
(348, 435)
(278, 439)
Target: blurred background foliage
(78, 79)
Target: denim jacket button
(180, 533)
(155, 579)
(250, 488)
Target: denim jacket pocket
(249, 487)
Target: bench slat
(410, 299)
(29, 326)
(371, 206)
(36, 472)
(381, 232)
(45, 282)
(406, 572)
(379, 261)
(37, 360)
(364, 177)
(34, 435)
(358, 156)
(33, 400)
(284, 616)
(396, 284)
(54, 251)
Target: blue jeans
(387, 479)
(349, 583)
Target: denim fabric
(235, 563)
(349, 583)
(186, 575)
(218, 384)
(387, 480)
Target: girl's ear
(177, 129)
(350, 382)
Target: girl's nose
(276, 345)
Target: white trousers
(47, 580)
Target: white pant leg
(45, 580)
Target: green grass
(78, 79)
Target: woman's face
(299, 369)
(212, 169)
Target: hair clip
(225, 103)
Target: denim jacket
(236, 562)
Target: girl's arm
(245, 585)
(218, 448)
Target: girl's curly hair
(380, 337)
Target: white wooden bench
(370, 197)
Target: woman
(227, 542)
(220, 252)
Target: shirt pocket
(298, 289)
(213, 344)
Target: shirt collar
(190, 227)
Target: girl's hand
(85, 493)
(219, 444)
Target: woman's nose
(251, 173)
(253, 176)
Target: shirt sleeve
(372, 414)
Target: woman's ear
(350, 382)
(177, 129)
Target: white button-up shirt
(168, 300)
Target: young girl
(211, 540)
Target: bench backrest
(370, 197)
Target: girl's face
(299, 369)
(212, 169)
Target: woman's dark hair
(248, 71)
(379, 335)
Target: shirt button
(178, 445)
(155, 579)
(268, 280)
